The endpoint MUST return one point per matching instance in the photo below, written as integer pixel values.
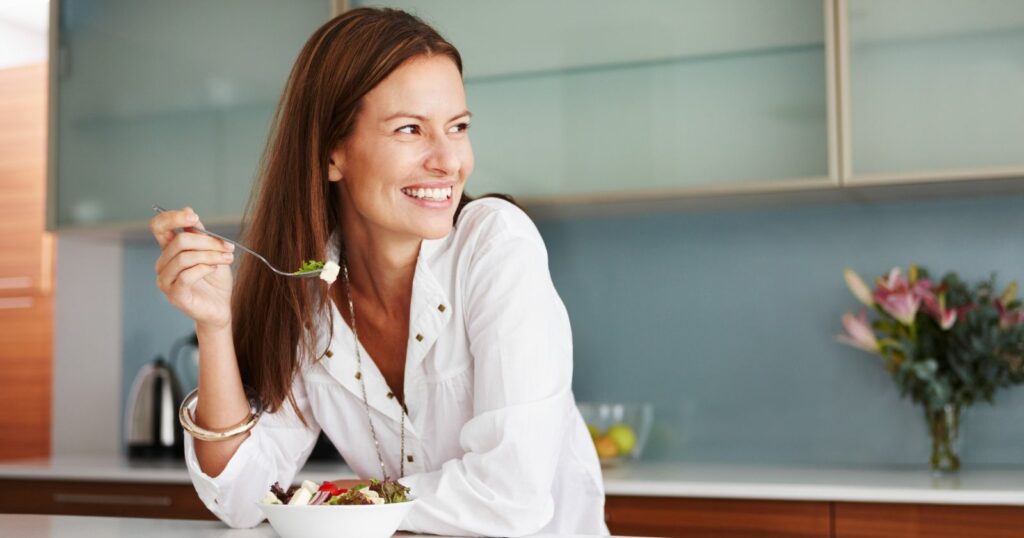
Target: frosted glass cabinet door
(168, 102)
(936, 87)
(583, 97)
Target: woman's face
(403, 168)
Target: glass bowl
(619, 430)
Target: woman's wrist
(213, 330)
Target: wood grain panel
(26, 377)
(880, 520)
(26, 267)
(727, 518)
(23, 92)
(114, 499)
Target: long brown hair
(292, 212)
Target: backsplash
(725, 322)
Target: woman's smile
(434, 196)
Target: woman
(444, 310)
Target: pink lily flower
(858, 332)
(936, 306)
(1008, 318)
(857, 286)
(895, 296)
(946, 319)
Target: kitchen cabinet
(581, 100)
(167, 103)
(879, 520)
(658, 104)
(26, 266)
(94, 498)
(674, 516)
(933, 90)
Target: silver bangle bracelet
(189, 425)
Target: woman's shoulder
(485, 220)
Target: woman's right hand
(194, 269)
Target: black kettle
(151, 420)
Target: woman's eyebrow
(424, 118)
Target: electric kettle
(151, 420)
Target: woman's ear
(334, 166)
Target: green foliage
(979, 354)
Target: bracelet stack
(188, 422)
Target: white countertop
(125, 527)
(986, 485)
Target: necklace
(362, 384)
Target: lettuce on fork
(328, 270)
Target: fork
(304, 274)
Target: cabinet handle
(101, 498)
(15, 283)
(15, 302)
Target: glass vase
(944, 427)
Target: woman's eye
(462, 127)
(409, 129)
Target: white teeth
(437, 195)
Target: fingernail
(228, 255)
(193, 217)
(229, 246)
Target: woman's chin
(436, 232)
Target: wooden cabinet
(121, 499)
(664, 516)
(684, 517)
(26, 358)
(26, 266)
(879, 520)
(27, 252)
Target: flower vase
(944, 427)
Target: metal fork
(304, 274)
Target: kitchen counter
(118, 527)
(974, 486)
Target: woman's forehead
(428, 87)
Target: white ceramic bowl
(337, 521)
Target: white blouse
(495, 445)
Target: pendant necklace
(362, 384)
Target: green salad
(327, 493)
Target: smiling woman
(444, 358)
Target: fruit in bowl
(321, 511)
(619, 431)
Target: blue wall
(725, 322)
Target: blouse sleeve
(521, 345)
(275, 450)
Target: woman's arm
(274, 451)
(193, 271)
(222, 402)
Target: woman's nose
(444, 156)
